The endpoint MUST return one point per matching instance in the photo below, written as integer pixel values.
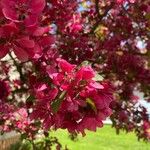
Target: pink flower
(76, 27)
(80, 102)
(90, 123)
(42, 111)
(65, 66)
(23, 47)
(40, 31)
(85, 73)
(75, 24)
(6, 31)
(23, 10)
(21, 114)
(134, 98)
(44, 93)
(21, 118)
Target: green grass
(104, 139)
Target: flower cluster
(20, 118)
(129, 117)
(76, 102)
(20, 29)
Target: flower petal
(3, 51)
(65, 66)
(40, 31)
(10, 14)
(31, 20)
(26, 42)
(37, 6)
(21, 54)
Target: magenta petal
(21, 54)
(57, 78)
(31, 20)
(47, 122)
(65, 86)
(85, 73)
(47, 40)
(90, 123)
(22, 1)
(37, 51)
(8, 4)
(41, 87)
(10, 14)
(40, 31)
(37, 6)
(3, 51)
(10, 28)
(65, 66)
(53, 93)
(26, 42)
(50, 70)
(96, 85)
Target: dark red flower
(23, 10)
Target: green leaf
(84, 4)
(23, 136)
(92, 104)
(31, 98)
(98, 77)
(57, 103)
(147, 16)
(85, 63)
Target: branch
(100, 17)
(19, 68)
(22, 90)
(97, 8)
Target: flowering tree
(71, 64)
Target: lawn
(103, 139)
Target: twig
(19, 68)
(100, 17)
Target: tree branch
(100, 17)
(18, 67)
